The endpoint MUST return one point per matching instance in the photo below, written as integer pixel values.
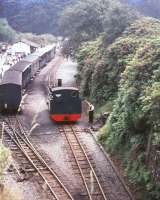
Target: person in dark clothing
(91, 113)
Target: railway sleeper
(13, 148)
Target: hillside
(7, 34)
(124, 79)
(37, 16)
(147, 7)
(42, 16)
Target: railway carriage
(64, 104)
(50, 52)
(25, 68)
(14, 80)
(18, 76)
(34, 60)
(42, 58)
(45, 55)
(10, 91)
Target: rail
(19, 137)
(72, 139)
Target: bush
(4, 154)
(6, 193)
(135, 116)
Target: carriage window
(74, 94)
(58, 95)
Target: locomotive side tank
(10, 91)
(64, 104)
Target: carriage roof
(31, 58)
(20, 66)
(12, 77)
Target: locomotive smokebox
(59, 82)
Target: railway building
(24, 46)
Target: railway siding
(92, 187)
(22, 146)
(94, 183)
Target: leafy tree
(132, 129)
(147, 7)
(86, 20)
(6, 32)
(116, 19)
(37, 16)
(82, 20)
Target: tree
(86, 20)
(147, 7)
(6, 32)
(37, 16)
(81, 22)
(116, 19)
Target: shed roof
(30, 43)
(12, 77)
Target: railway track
(18, 141)
(92, 185)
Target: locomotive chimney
(59, 82)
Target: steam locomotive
(65, 104)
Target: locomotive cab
(64, 104)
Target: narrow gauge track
(14, 129)
(89, 177)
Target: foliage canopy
(6, 32)
(86, 20)
(127, 73)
